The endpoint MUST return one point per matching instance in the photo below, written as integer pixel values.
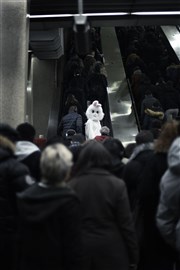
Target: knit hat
(104, 130)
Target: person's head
(26, 132)
(55, 164)
(71, 100)
(156, 123)
(9, 132)
(93, 155)
(89, 62)
(73, 108)
(104, 131)
(148, 93)
(97, 67)
(169, 132)
(95, 111)
(115, 147)
(144, 136)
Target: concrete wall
(13, 60)
(43, 84)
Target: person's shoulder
(116, 180)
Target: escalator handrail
(133, 105)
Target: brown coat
(108, 231)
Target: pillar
(14, 32)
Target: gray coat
(108, 232)
(168, 219)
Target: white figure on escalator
(94, 115)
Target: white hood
(24, 149)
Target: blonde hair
(55, 163)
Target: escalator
(155, 49)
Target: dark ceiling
(48, 26)
(70, 6)
(49, 7)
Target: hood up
(174, 157)
(24, 149)
(38, 203)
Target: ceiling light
(156, 13)
(76, 15)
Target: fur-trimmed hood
(7, 148)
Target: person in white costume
(94, 115)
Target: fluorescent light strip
(104, 14)
(49, 16)
(107, 14)
(156, 13)
(72, 15)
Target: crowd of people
(78, 204)
(153, 73)
(85, 80)
(89, 204)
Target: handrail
(133, 105)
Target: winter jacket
(109, 238)
(132, 173)
(168, 220)
(29, 154)
(13, 178)
(156, 254)
(49, 229)
(71, 120)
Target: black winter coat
(12, 179)
(156, 253)
(133, 170)
(109, 238)
(49, 229)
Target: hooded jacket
(29, 154)
(49, 231)
(13, 178)
(168, 220)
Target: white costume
(94, 114)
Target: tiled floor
(122, 117)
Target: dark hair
(92, 155)
(72, 108)
(97, 67)
(26, 132)
(115, 147)
(144, 136)
(148, 92)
